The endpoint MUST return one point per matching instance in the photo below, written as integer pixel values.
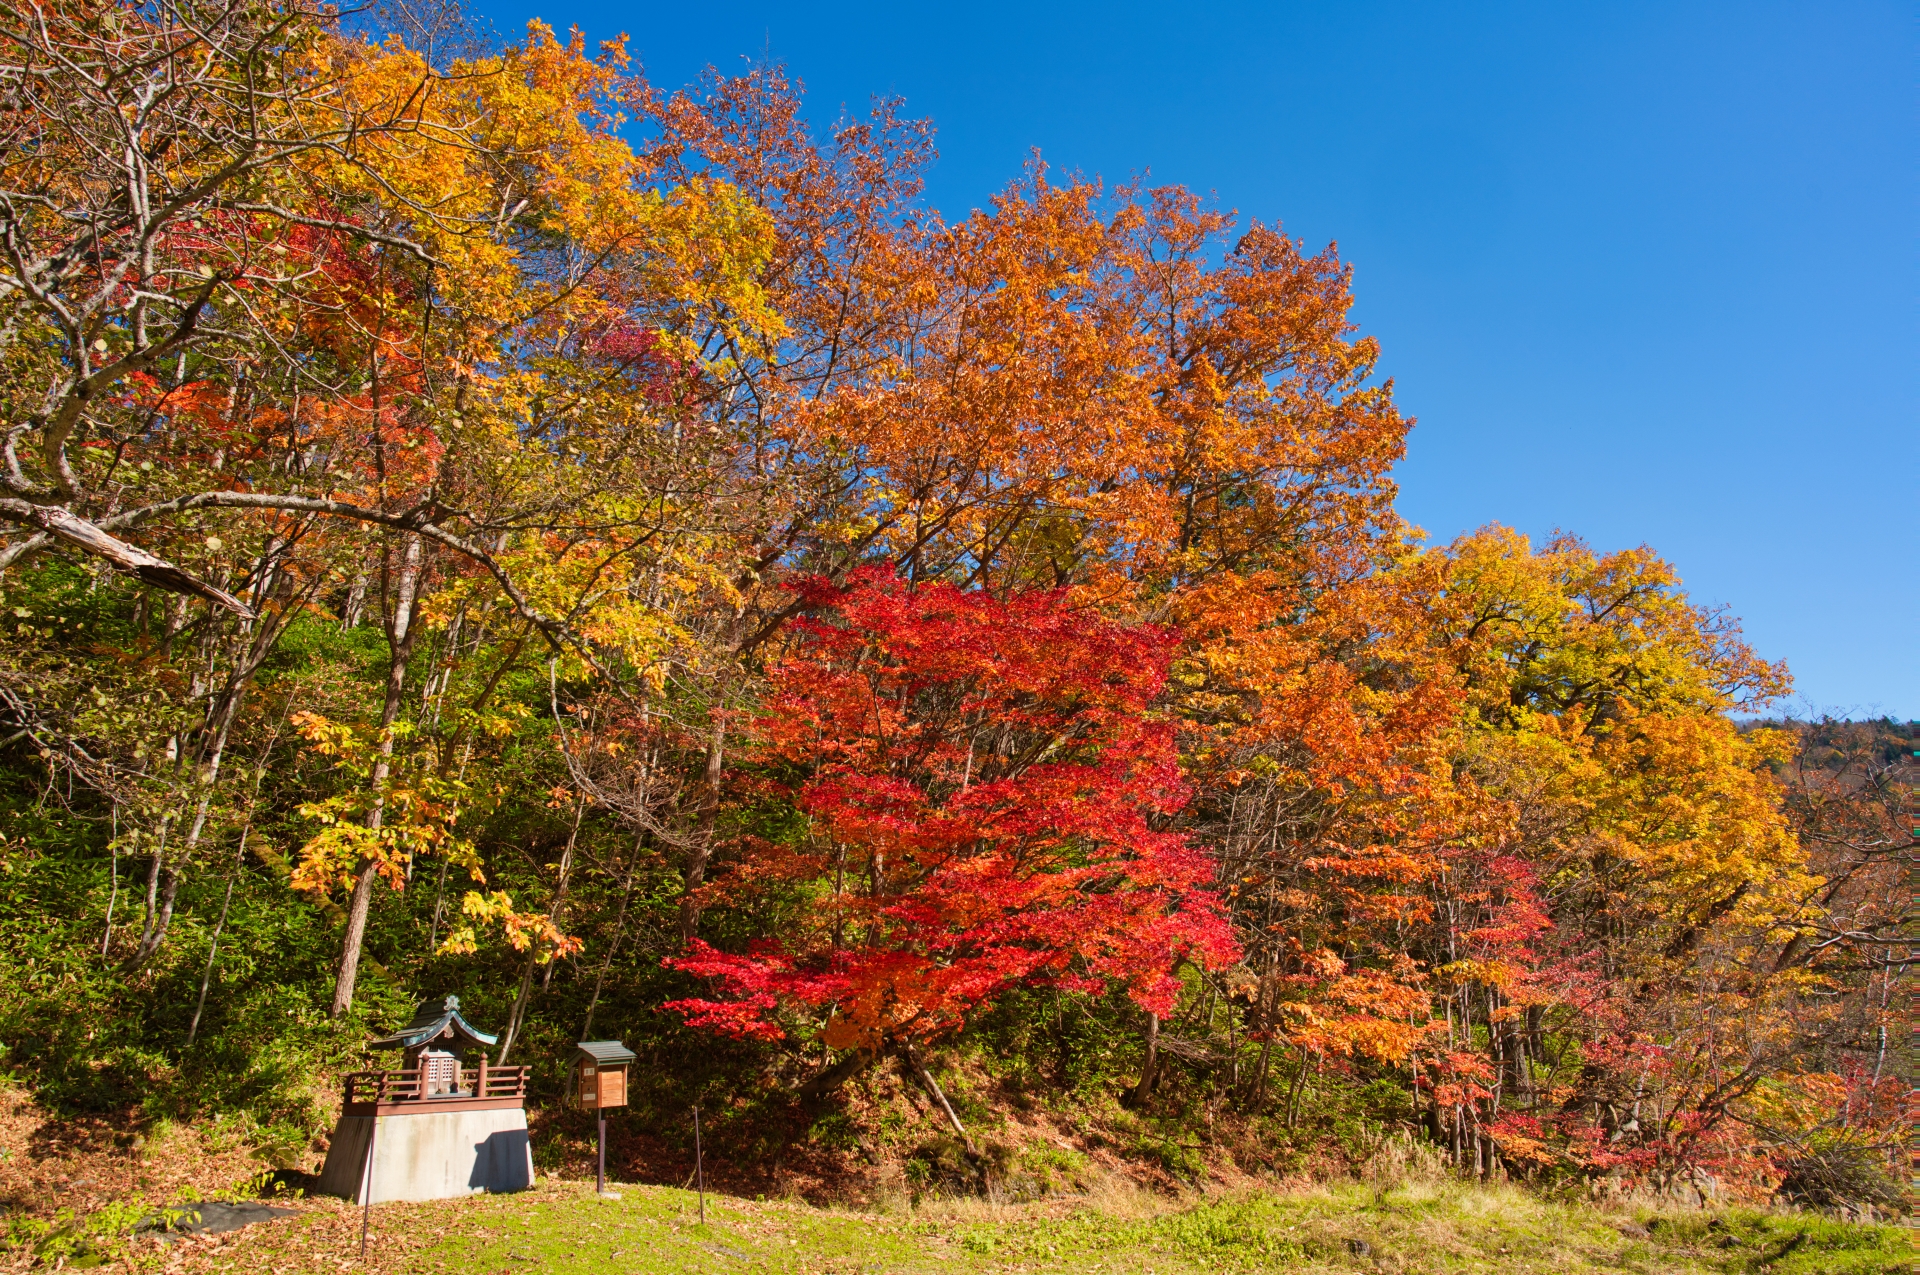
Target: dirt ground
(83, 1162)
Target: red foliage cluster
(663, 376)
(985, 780)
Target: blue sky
(1643, 272)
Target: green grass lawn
(1433, 1227)
(1428, 1227)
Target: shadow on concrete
(502, 1163)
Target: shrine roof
(434, 1017)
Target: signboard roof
(607, 1053)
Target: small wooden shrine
(444, 1124)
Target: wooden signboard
(600, 1082)
(600, 1074)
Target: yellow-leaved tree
(1607, 932)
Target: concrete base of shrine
(429, 1155)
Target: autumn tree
(980, 781)
(349, 295)
(1631, 877)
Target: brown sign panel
(602, 1087)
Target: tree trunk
(154, 866)
(702, 849)
(1149, 1071)
(439, 903)
(158, 921)
(517, 1019)
(933, 1087)
(113, 897)
(206, 975)
(356, 602)
(619, 931)
(211, 751)
(1293, 1092)
(132, 559)
(835, 1076)
(1259, 1085)
(160, 915)
(359, 907)
(239, 862)
(518, 1013)
(400, 635)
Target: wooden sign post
(600, 1081)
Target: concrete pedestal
(430, 1155)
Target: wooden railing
(473, 1083)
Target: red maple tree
(985, 782)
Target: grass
(1436, 1228)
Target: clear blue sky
(1644, 272)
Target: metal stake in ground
(600, 1174)
(699, 1165)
